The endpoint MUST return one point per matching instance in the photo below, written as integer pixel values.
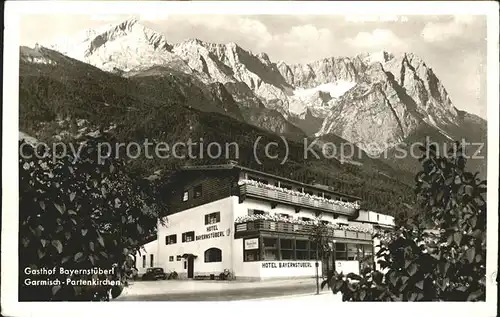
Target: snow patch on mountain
(430, 120)
(317, 99)
(335, 90)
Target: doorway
(190, 267)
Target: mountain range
(130, 77)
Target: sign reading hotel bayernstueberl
(213, 232)
(281, 265)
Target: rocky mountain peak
(125, 46)
(393, 93)
(129, 22)
(376, 57)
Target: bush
(76, 212)
(418, 265)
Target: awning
(189, 255)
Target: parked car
(153, 274)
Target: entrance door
(190, 268)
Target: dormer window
(198, 191)
(256, 212)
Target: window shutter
(206, 219)
(217, 216)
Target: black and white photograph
(282, 154)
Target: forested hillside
(67, 98)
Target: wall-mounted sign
(281, 265)
(252, 244)
(212, 228)
(210, 235)
(213, 233)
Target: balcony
(295, 198)
(333, 231)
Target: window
(143, 261)
(271, 243)
(251, 255)
(256, 212)
(340, 246)
(198, 191)
(285, 216)
(308, 192)
(340, 251)
(305, 219)
(352, 252)
(213, 255)
(302, 249)
(367, 258)
(171, 258)
(151, 260)
(171, 239)
(179, 258)
(188, 236)
(185, 265)
(325, 222)
(327, 196)
(286, 249)
(185, 196)
(212, 218)
(270, 249)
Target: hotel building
(257, 226)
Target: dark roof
(247, 169)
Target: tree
(78, 212)
(418, 265)
(321, 237)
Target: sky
(454, 46)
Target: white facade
(170, 257)
(375, 217)
(217, 235)
(147, 257)
(260, 232)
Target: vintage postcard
(300, 155)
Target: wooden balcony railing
(294, 200)
(284, 227)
